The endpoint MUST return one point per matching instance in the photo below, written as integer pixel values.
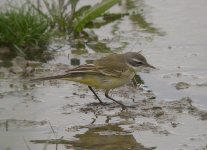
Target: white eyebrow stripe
(136, 60)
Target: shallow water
(64, 114)
(182, 50)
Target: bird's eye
(135, 62)
(139, 63)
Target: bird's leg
(95, 95)
(107, 95)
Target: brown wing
(83, 68)
(112, 65)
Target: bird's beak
(150, 66)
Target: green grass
(59, 13)
(92, 13)
(64, 18)
(24, 32)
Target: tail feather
(72, 73)
(48, 78)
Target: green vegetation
(138, 18)
(63, 16)
(93, 13)
(141, 22)
(60, 14)
(24, 32)
(27, 30)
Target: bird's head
(136, 60)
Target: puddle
(101, 137)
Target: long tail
(70, 74)
(48, 78)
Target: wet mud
(167, 111)
(73, 119)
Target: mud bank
(67, 116)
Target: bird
(107, 73)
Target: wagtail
(106, 73)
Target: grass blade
(93, 13)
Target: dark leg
(107, 95)
(95, 94)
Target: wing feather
(113, 65)
(115, 71)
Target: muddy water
(170, 108)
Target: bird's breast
(102, 81)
